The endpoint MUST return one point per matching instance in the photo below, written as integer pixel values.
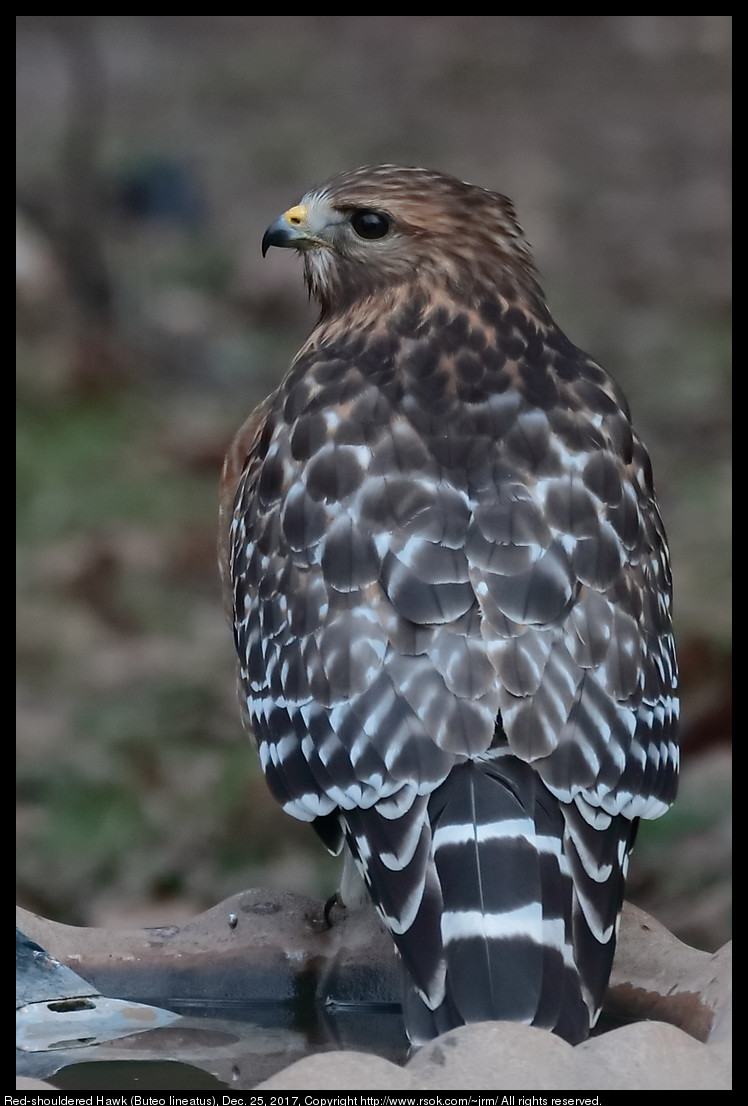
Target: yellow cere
(295, 215)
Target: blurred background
(152, 152)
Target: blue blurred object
(40, 978)
(160, 190)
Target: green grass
(88, 465)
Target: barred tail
(514, 939)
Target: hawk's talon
(334, 900)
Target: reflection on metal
(57, 1009)
(82, 1022)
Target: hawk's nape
(451, 600)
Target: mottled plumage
(450, 592)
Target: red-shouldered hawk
(451, 601)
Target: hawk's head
(383, 227)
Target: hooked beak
(289, 229)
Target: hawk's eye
(370, 224)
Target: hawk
(451, 600)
